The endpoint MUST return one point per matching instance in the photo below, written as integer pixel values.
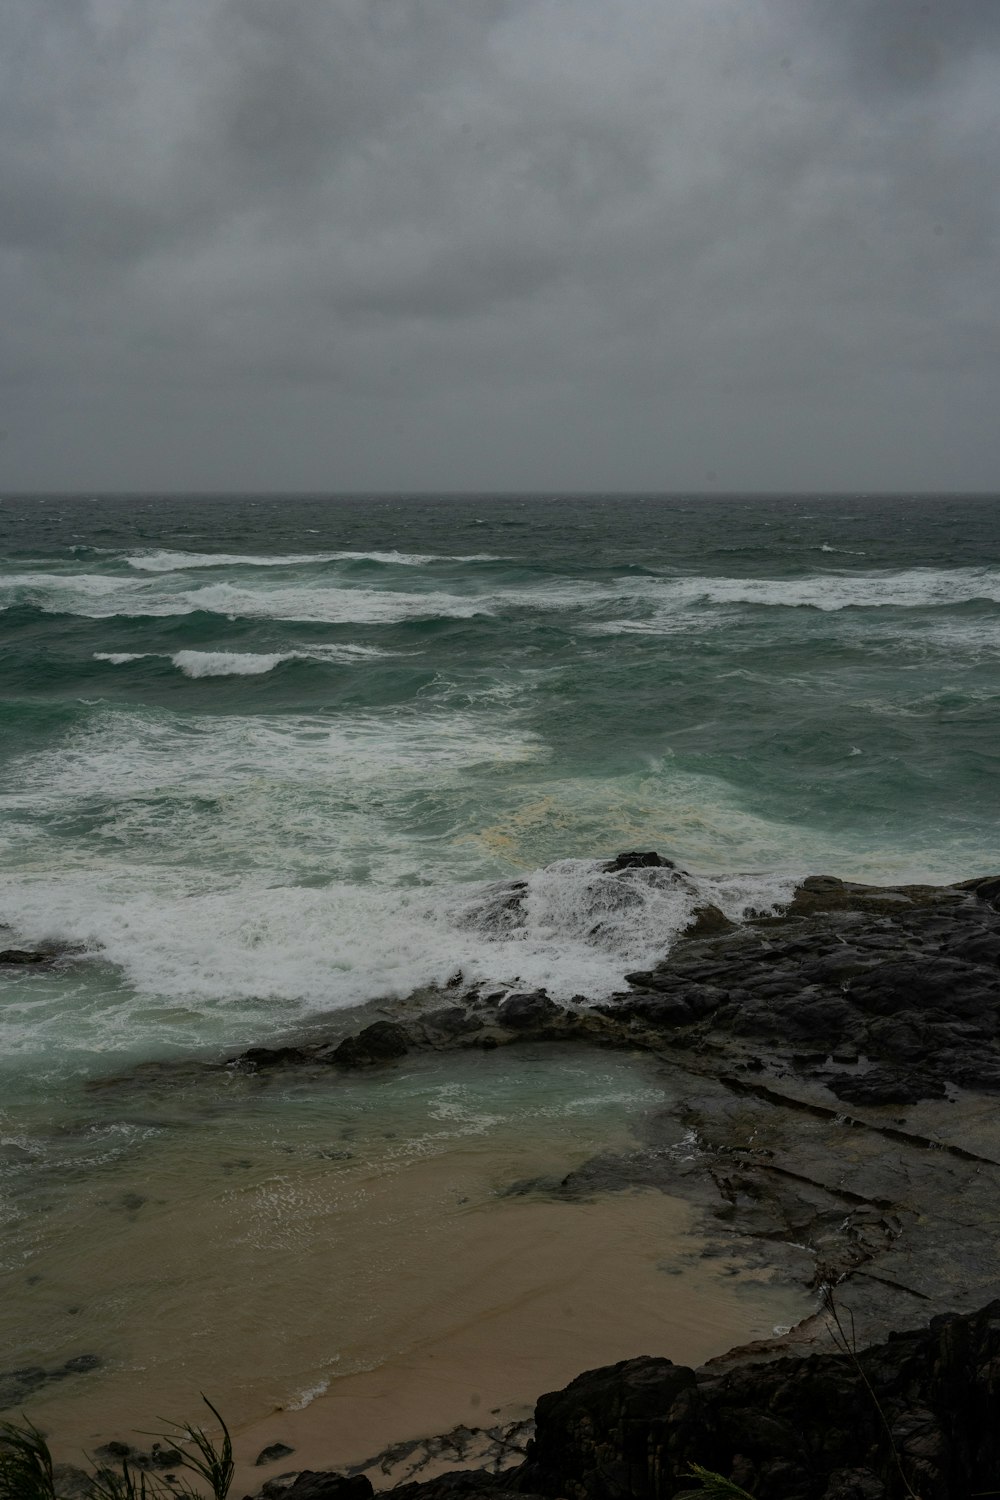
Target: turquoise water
(263, 758)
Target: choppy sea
(264, 758)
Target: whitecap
(910, 588)
(197, 664)
(227, 663)
(171, 562)
(105, 597)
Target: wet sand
(346, 1270)
(529, 1294)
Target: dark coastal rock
(469, 1483)
(384, 1041)
(529, 1011)
(310, 1485)
(886, 1086)
(908, 979)
(24, 956)
(273, 1057)
(706, 921)
(71, 1482)
(272, 1453)
(634, 860)
(114, 1452)
(451, 1022)
(916, 1415)
(156, 1459)
(985, 889)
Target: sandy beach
(530, 1294)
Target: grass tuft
(25, 1463)
(214, 1464)
(713, 1486)
(26, 1469)
(108, 1484)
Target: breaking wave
(245, 663)
(174, 562)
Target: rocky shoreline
(835, 1071)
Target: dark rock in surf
(114, 1452)
(450, 1022)
(22, 957)
(16, 1386)
(638, 860)
(529, 1011)
(273, 1057)
(383, 1041)
(708, 921)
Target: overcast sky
(499, 244)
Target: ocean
(265, 761)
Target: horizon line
(88, 494)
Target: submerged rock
(17, 1385)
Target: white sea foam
(308, 1396)
(325, 605)
(227, 663)
(124, 754)
(247, 663)
(257, 951)
(911, 588)
(320, 600)
(417, 559)
(99, 596)
(669, 600)
(175, 562)
(172, 562)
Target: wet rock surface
(908, 980)
(24, 956)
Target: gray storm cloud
(499, 244)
